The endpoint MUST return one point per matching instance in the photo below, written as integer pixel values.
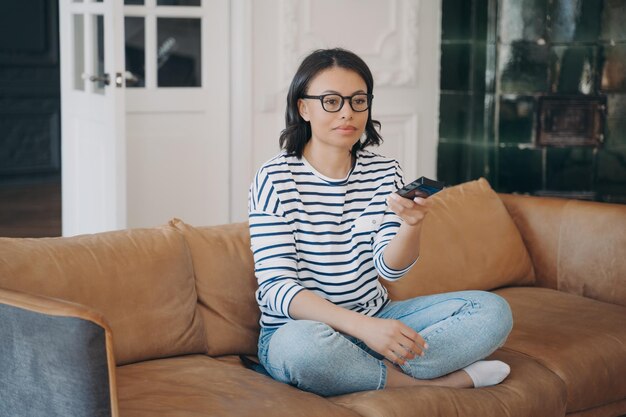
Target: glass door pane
(98, 53)
(135, 51)
(178, 2)
(79, 51)
(178, 52)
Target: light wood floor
(30, 210)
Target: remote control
(421, 187)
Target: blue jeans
(459, 327)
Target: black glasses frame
(343, 100)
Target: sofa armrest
(56, 358)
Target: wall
(29, 91)
(399, 39)
(195, 158)
(495, 66)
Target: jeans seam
(453, 320)
(383, 376)
(473, 304)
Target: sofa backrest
(468, 242)
(225, 282)
(141, 281)
(576, 246)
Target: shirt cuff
(388, 273)
(287, 302)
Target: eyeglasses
(332, 103)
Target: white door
(92, 108)
(155, 142)
(177, 111)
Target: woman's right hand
(393, 339)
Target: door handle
(104, 78)
(120, 78)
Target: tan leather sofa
(150, 322)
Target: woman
(325, 225)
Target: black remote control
(421, 187)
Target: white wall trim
(241, 119)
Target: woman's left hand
(411, 211)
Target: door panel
(178, 113)
(93, 141)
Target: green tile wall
(497, 58)
(466, 148)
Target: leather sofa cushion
(141, 280)
(225, 281)
(606, 410)
(591, 251)
(529, 390)
(198, 385)
(583, 341)
(539, 221)
(468, 241)
(576, 246)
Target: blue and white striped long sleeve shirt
(312, 232)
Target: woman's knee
(298, 348)
(496, 312)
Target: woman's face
(343, 128)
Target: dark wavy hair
(297, 131)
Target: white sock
(487, 373)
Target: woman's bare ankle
(457, 379)
(397, 378)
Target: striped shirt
(312, 232)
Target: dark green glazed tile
(490, 68)
(452, 162)
(477, 128)
(481, 20)
(612, 63)
(519, 170)
(615, 129)
(492, 22)
(572, 70)
(522, 20)
(575, 20)
(482, 162)
(455, 66)
(610, 181)
(489, 120)
(454, 116)
(479, 63)
(615, 133)
(516, 119)
(613, 18)
(569, 169)
(523, 67)
(616, 106)
(456, 22)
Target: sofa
(155, 321)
